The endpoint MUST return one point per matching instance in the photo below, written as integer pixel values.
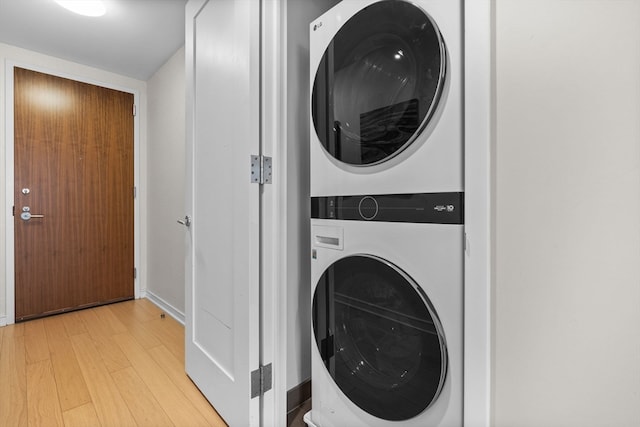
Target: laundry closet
(549, 106)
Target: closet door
(222, 299)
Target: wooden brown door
(74, 167)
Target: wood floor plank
(145, 408)
(109, 320)
(101, 334)
(72, 389)
(149, 308)
(82, 416)
(179, 409)
(42, 397)
(35, 341)
(13, 379)
(108, 402)
(170, 333)
(134, 324)
(137, 310)
(175, 371)
(73, 323)
(15, 330)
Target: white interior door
(223, 131)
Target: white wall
(166, 178)
(567, 214)
(53, 65)
(299, 15)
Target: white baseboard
(3, 321)
(171, 310)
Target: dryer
(386, 98)
(387, 286)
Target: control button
(368, 208)
(331, 207)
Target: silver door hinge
(261, 170)
(135, 110)
(261, 380)
(135, 192)
(135, 273)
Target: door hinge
(135, 110)
(261, 380)
(135, 273)
(135, 192)
(261, 169)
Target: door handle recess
(186, 221)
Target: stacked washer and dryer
(387, 214)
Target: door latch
(186, 221)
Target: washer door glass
(379, 337)
(378, 83)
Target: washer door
(379, 337)
(378, 83)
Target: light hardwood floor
(113, 366)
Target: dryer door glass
(378, 83)
(379, 337)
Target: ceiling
(134, 38)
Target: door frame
(479, 114)
(273, 322)
(9, 177)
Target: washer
(387, 286)
(386, 98)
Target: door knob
(186, 221)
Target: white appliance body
(430, 256)
(386, 184)
(357, 73)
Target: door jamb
(274, 298)
(9, 181)
(478, 133)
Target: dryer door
(379, 337)
(378, 83)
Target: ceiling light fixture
(84, 7)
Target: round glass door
(378, 83)
(379, 337)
